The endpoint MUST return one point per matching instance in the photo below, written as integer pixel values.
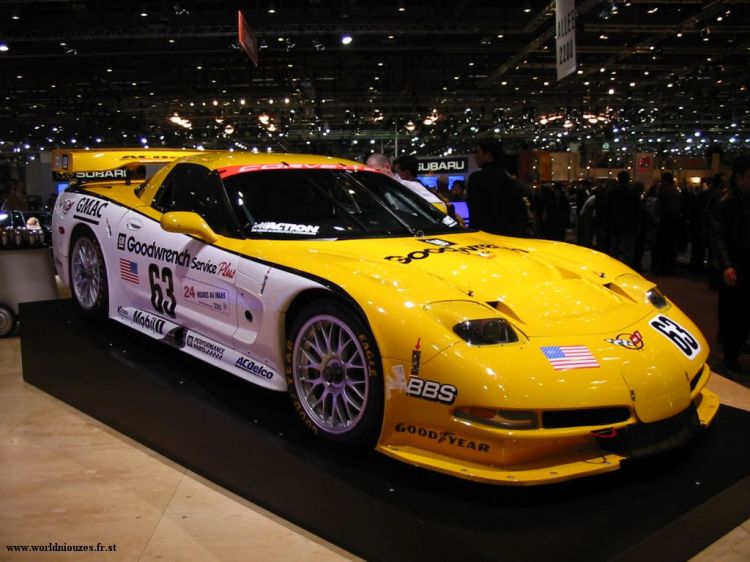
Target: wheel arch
(310, 295)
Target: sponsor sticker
(152, 323)
(678, 335)
(205, 347)
(89, 209)
(214, 299)
(431, 390)
(121, 241)
(447, 437)
(155, 251)
(285, 228)
(476, 249)
(247, 364)
(67, 206)
(437, 242)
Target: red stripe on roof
(228, 171)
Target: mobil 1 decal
(205, 296)
(678, 335)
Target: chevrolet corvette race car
(495, 359)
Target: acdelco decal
(422, 254)
(247, 364)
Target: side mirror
(191, 223)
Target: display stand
(249, 441)
(26, 274)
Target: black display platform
(248, 440)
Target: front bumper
(572, 457)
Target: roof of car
(218, 160)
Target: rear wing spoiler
(112, 165)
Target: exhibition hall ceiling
(662, 76)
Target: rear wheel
(334, 374)
(7, 321)
(88, 274)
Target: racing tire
(88, 275)
(333, 372)
(7, 321)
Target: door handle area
(133, 224)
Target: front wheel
(334, 376)
(88, 274)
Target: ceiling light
(653, 10)
(346, 39)
(3, 47)
(402, 6)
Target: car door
(176, 276)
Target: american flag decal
(129, 271)
(570, 357)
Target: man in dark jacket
(497, 202)
(729, 241)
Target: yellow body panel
(412, 293)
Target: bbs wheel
(333, 373)
(88, 274)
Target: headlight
(485, 332)
(507, 419)
(656, 298)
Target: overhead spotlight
(71, 51)
(290, 44)
(346, 39)
(486, 41)
(179, 10)
(318, 46)
(3, 47)
(526, 8)
(271, 8)
(705, 32)
(262, 44)
(402, 6)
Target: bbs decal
(431, 390)
(678, 335)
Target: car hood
(545, 288)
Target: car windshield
(323, 203)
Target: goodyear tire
(333, 372)
(7, 321)
(88, 274)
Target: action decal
(285, 228)
(564, 357)
(447, 437)
(476, 249)
(129, 271)
(678, 335)
(628, 341)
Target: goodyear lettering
(154, 251)
(251, 366)
(91, 207)
(422, 254)
(431, 390)
(443, 437)
(145, 320)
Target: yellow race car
(501, 360)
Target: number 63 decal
(678, 335)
